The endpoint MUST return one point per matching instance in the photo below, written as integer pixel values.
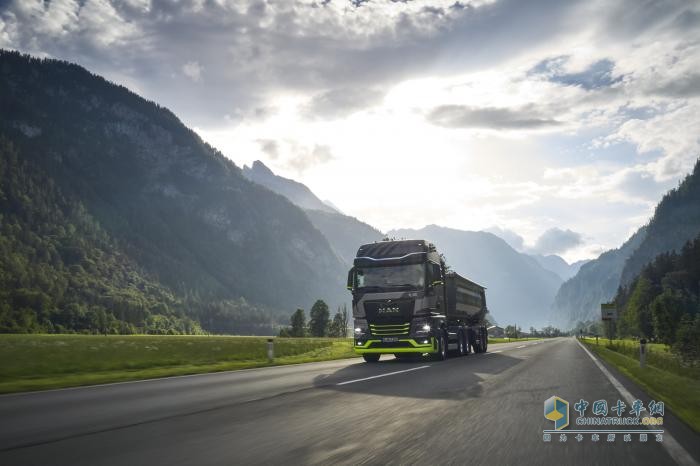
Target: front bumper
(403, 345)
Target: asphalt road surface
(478, 409)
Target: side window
(360, 279)
(435, 273)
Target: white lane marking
(521, 346)
(499, 351)
(382, 375)
(677, 452)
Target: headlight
(360, 327)
(421, 327)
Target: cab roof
(394, 249)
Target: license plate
(390, 339)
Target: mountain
(296, 192)
(662, 302)
(676, 221)
(579, 298)
(558, 265)
(333, 206)
(175, 209)
(60, 271)
(519, 290)
(344, 233)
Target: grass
(659, 378)
(658, 356)
(39, 362)
(510, 340)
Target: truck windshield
(391, 276)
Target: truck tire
(442, 347)
(462, 344)
(475, 346)
(370, 357)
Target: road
(479, 409)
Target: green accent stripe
(416, 347)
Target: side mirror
(351, 278)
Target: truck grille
(389, 312)
(389, 329)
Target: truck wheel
(442, 347)
(462, 344)
(370, 357)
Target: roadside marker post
(270, 350)
(642, 352)
(608, 312)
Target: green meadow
(38, 362)
(664, 378)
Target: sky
(557, 125)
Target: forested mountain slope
(178, 209)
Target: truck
(406, 303)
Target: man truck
(405, 303)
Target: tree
(512, 331)
(636, 319)
(339, 326)
(667, 310)
(298, 321)
(687, 343)
(318, 319)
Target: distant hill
(558, 265)
(344, 233)
(519, 290)
(676, 221)
(596, 282)
(296, 192)
(185, 219)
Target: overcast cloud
(532, 116)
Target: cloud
(597, 75)
(192, 70)
(253, 51)
(556, 241)
(337, 103)
(675, 134)
(304, 158)
(457, 116)
(578, 109)
(270, 147)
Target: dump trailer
(405, 303)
